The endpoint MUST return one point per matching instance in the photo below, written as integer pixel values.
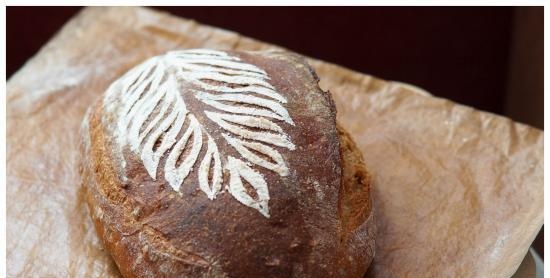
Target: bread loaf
(205, 163)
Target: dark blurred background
(490, 58)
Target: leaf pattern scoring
(154, 121)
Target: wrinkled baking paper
(458, 192)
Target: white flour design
(236, 96)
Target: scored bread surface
(210, 163)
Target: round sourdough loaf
(205, 163)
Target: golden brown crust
(355, 200)
(355, 203)
(322, 220)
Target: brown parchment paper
(458, 192)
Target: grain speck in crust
(209, 163)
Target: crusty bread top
(231, 159)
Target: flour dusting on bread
(154, 121)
